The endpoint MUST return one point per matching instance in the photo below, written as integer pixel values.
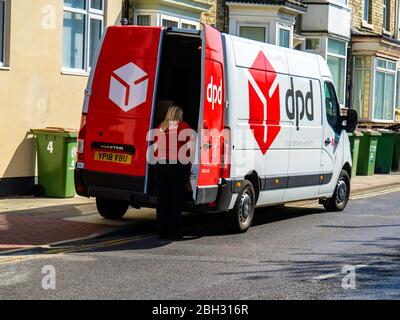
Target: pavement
(27, 222)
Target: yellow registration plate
(113, 157)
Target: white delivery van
(283, 139)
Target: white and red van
(284, 137)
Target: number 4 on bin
(50, 147)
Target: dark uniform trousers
(172, 179)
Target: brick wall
(376, 16)
(217, 14)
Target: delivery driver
(172, 175)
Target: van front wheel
(341, 195)
(242, 216)
(111, 209)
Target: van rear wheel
(242, 215)
(341, 195)
(111, 209)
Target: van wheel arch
(255, 181)
(347, 168)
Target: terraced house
(375, 52)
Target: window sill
(75, 73)
(367, 25)
(4, 68)
(386, 33)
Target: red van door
(120, 107)
(211, 120)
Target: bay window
(82, 30)
(336, 58)
(385, 84)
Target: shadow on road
(196, 225)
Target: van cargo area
(179, 83)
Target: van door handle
(327, 141)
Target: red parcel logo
(264, 102)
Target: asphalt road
(290, 252)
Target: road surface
(291, 252)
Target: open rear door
(211, 120)
(121, 106)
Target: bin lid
(370, 132)
(355, 134)
(65, 132)
(386, 131)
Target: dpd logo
(293, 110)
(128, 87)
(214, 93)
(264, 103)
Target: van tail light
(225, 171)
(81, 138)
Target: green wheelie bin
(354, 149)
(384, 152)
(396, 152)
(56, 150)
(367, 153)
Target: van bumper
(113, 186)
(98, 184)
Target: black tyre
(111, 209)
(341, 195)
(38, 191)
(242, 215)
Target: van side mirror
(350, 120)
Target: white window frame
(152, 13)
(254, 24)
(380, 69)
(4, 35)
(189, 22)
(345, 64)
(278, 36)
(178, 19)
(337, 2)
(169, 18)
(386, 15)
(142, 15)
(157, 16)
(372, 83)
(363, 13)
(90, 14)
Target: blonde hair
(174, 113)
